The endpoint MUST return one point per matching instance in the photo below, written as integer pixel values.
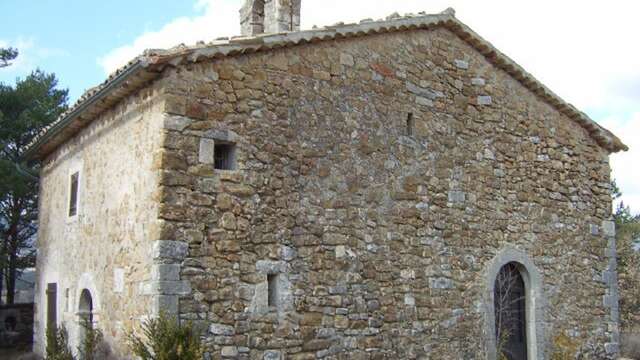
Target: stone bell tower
(269, 16)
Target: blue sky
(68, 36)
(583, 50)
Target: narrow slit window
(410, 125)
(52, 306)
(272, 290)
(73, 194)
(224, 157)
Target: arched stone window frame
(85, 282)
(534, 301)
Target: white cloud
(218, 18)
(25, 47)
(30, 55)
(626, 169)
(583, 50)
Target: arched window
(514, 304)
(510, 313)
(85, 307)
(85, 314)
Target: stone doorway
(510, 313)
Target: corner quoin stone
(168, 249)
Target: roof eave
(243, 45)
(33, 151)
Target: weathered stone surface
(478, 81)
(229, 351)
(206, 151)
(388, 228)
(341, 234)
(168, 249)
(165, 272)
(485, 100)
(272, 355)
(461, 64)
(169, 304)
(609, 228)
(168, 288)
(270, 16)
(107, 248)
(178, 123)
(220, 329)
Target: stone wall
(16, 325)
(106, 248)
(377, 180)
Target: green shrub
(91, 343)
(564, 348)
(58, 344)
(165, 338)
(92, 347)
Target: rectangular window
(67, 300)
(272, 290)
(410, 124)
(73, 194)
(224, 156)
(52, 306)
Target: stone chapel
(388, 189)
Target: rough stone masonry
(332, 196)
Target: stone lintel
(271, 267)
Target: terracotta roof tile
(150, 64)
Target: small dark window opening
(272, 290)
(410, 124)
(224, 156)
(52, 306)
(73, 196)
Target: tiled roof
(148, 66)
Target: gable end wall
(381, 241)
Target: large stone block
(168, 249)
(207, 149)
(165, 272)
(167, 304)
(609, 228)
(181, 287)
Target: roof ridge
(151, 62)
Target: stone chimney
(269, 16)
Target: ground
(7, 354)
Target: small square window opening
(73, 194)
(224, 156)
